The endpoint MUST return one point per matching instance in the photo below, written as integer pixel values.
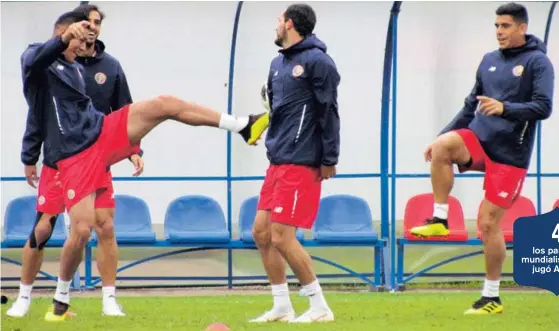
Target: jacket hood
(99, 52)
(309, 42)
(533, 43)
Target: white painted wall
(186, 53)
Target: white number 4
(555, 234)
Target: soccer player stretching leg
(513, 92)
(87, 141)
(303, 146)
(107, 86)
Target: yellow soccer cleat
(50, 316)
(432, 227)
(257, 124)
(486, 306)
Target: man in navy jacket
(86, 142)
(106, 85)
(302, 143)
(494, 133)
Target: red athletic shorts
(502, 183)
(292, 194)
(51, 200)
(85, 172)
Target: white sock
(316, 297)
(25, 291)
(62, 291)
(232, 123)
(440, 211)
(491, 288)
(108, 291)
(281, 297)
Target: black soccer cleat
(486, 306)
(256, 126)
(433, 227)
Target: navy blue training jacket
(105, 81)
(304, 121)
(105, 84)
(522, 79)
(56, 95)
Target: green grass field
(354, 311)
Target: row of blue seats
(196, 219)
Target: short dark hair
(70, 18)
(88, 8)
(517, 11)
(303, 17)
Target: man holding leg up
(303, 146)
(512, 93)
(86, 141)
(108, 88)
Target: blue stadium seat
(195, 219)
(132, 221)
(344, 219)
(19, 219)
(246, 220)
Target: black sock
(496, 299)
(441, 221)
(60, 308)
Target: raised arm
(38, 57)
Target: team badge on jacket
(100, 78)
(297, 71)
(518, 70)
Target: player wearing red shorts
(86, 142)
(513, 91)
(50, 203)
(108, 88)
(303, 146)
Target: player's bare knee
(441, 151)
(450, 148)
(104, 228)
(489, 220)
(104, 223)
(261, 229)
(80, 232)
(261, 233)
(262, 238)
(281, 235)
(278, 240)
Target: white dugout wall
(183, 48)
